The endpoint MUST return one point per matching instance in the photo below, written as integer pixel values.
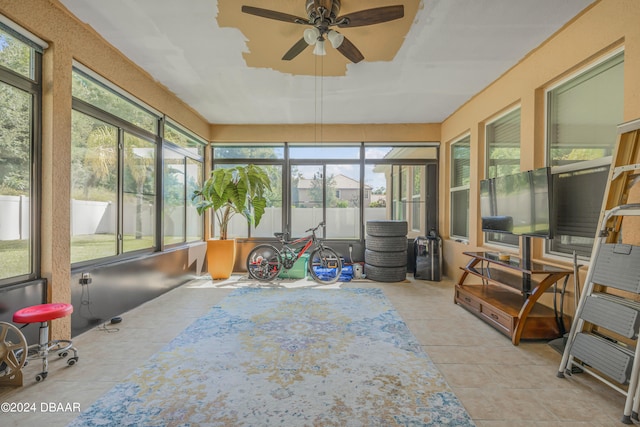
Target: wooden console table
(508, 293)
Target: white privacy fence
(342, 223)
(92, 217)
(14, 217)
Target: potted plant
(230, 191)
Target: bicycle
(266, 261)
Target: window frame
(494, 238)
(465, 139)
(187, 155)
(33, 86)
(362, 162)
(125, 127)
(234, 161)
(576, 166)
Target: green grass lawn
(14, 258)
(95, 246)
(14, 254)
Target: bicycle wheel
(325, 265)
(263, 263)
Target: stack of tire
(385, 255)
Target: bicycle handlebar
(316, 227)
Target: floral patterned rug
(287, 357)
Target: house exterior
(341, 187)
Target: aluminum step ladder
(604, 333)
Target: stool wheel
(42, 314)
(13, 349)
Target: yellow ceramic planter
(221, 256)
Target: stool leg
(43, 351)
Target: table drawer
(465, 299)
(498, 317)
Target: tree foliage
(15, 123)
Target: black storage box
(427, 253)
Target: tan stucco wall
(606, 26)
(326, 133)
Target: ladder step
(613, 313)
(618, 266)
(607, 357)
(625, 168)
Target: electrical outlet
(85, 279)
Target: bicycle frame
(265, 262)
(287, 245)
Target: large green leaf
(234, 190)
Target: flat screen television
(518, 204)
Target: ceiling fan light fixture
(311, 35)
(335, 38)
(319, 49)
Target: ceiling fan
(324, 14)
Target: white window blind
(460, 178)
(584, 112)
(503, 158)
(503, 145)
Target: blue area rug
(281, 357)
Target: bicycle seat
(280, 236)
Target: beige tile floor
(499, 384)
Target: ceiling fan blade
(272, 14)
(350, 51)
(371, 16)
(295, 50)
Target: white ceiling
(453, 50)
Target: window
(577, 211)
(503, 158)
(270, 158)
(503, 145)
(139, 199)
(326, 184)
(401, 202)
(583, 114)
(460, 179)
(113, 179)
(94, 92)
(249, 151)
(182, 174)
(20, 100)
(398, 185)
(326, 192)
(582, 118)
(416, 197)
(94, 190)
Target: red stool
(44, 313)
